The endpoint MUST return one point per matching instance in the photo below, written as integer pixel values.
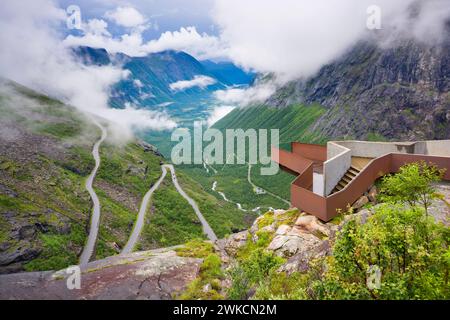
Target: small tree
(413, 184)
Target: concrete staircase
(346, 179)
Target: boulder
(361, 216)
(27, 232)
(293, 242)
(311, 224)
(300, 262)
(361, 202)
(233, 242)
(283, 229)
(23, 253)
(373, 193)
(277, 242)
(151, 275)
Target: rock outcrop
(293, 235)
(156, 275)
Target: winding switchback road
(134, 237)
(141, 215)
(255, 187)
(95, 218)
(206, 227)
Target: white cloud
(294, 38)
(126, 16)
(129, 43)
(202, 46)
(218, 113)
(36, 58)
(243, 97)
(140, 118)
(198, 81)
(97, 27)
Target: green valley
(45, 160)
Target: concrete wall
(437, 148)
(339, 161)
(377, 149)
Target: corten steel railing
(325, 208)
(314, 152)
(291, 161)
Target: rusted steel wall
(325, 208)
(308, 201)
(347, 196)
(377, 168)
(399, 160)
(291, 160)
(314, 152)
(305, 179)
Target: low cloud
(140, 118)
(188, 39)
(34, 56)
(198, 81)
(294, 38)
(291, 38)
(200, 45)
(218, 113)
(245, 96)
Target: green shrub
(281, 286)
(409, 248)
(266, 220)
(413, 184)
(252, 271)
(210, 275)
(196, 248)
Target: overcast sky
(292, 38)
(289, 38)
(169, 15)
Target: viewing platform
(332, 177)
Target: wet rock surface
(155, 275)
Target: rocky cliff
(400, 91)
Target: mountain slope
(45, 158)
(373, 92)
(228, 73)
(398, 92)
(149, 83)
(151, 77)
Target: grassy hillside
(171, 219)
(44, 206)
(45, 158)
(295, 124)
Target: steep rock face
(398, 92)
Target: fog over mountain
(36, 57)
(288, 39)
